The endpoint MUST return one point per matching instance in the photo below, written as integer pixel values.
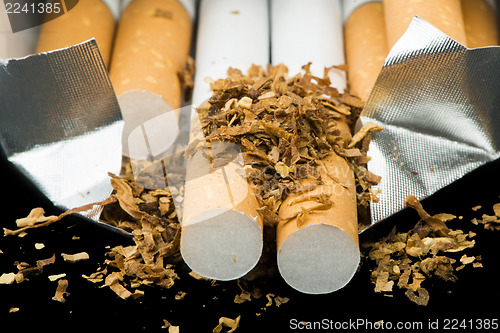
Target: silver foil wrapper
(438, 103)
(60, 123)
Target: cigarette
(319, 41)
(365, 46)
(151, 48)
(88, 19)
(480, 23)
(321, 254)
(221, 228)
(446, 15)
(245, 24)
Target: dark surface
(474, 296)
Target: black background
(474, 296)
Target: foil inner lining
(60, 123)
(438, 103)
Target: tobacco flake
(363, 132)
(62, 285)
(44, 262)
(420, 297)
(232, 324)
(72, 258)
(7, 278)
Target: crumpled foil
(60, 124)
(439, 105)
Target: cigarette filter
(318, 252)
(151, 49)
(365, 47)
(480, 22)
(88, 19)
(446, 15)
(222, 231)
(190, 5)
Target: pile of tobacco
(284, 126)
(407, 259)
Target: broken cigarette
(365, 46)
(88, 19)
(446, 15)
(480, 22)
(318, 245)
(293, 41)
(151, 48)
(221, 228)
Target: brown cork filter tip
(89, 19)
(221, 228)
(151, 48)
(480, 23)
(446, 15)
(365, 47)
(322, 254)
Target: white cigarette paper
(308, 31)
(231, 33)
(222, 231)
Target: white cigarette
(231, 33)
(322, 255)
(308, 31)
(222, 231)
